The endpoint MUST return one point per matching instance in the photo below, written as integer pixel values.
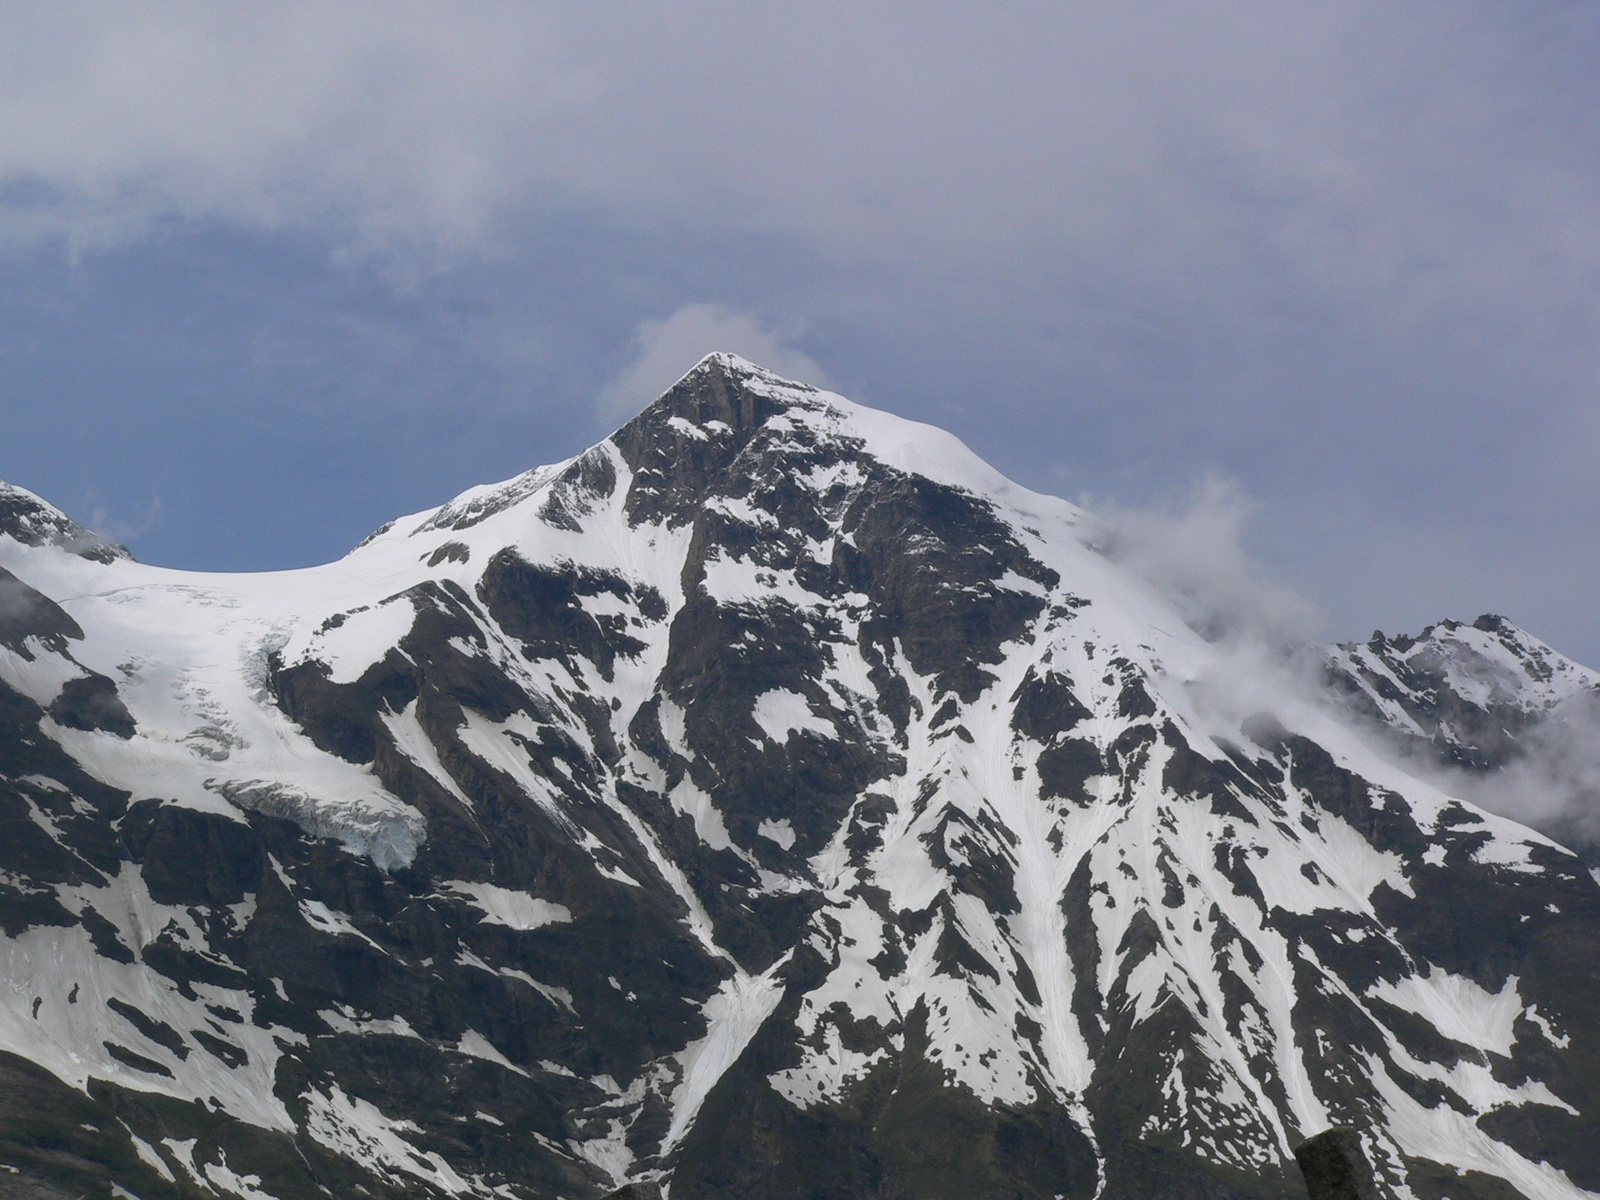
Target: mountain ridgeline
(771, 802)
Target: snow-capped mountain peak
(771, 799)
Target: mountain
(1470, 693)
(772, 801)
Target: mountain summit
(771, 801)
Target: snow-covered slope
(772, 800)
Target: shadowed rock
(1335, 1168)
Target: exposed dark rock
(90, 702)
(545, 609)
(26, 613)
(32, 522)
(1335, 1167)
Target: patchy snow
(1510, 854)
(319, 916)
(559, 996)
(1559, 1040)
(781, 713)
(350, 642)
(416, 745)
(224, 1177)
(346, 1020)
(148, 1155)
(515, 910)
(694, 802)
(475, 1044)
(780, 832)
(500, 745)
(1447, 1136)
(1457, 1007)
(358, 1129)
(687, 430)
(733, 1015)
(40, 678)
(60, 968)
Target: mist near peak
(1192, 548)
(1272, 658)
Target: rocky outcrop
(1335, 1167)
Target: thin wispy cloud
(1269, 660)
(1192, 547)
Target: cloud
(1409, 162)
(1550, 781)
(1418, 178)
(663, 350)
(103, 520)
(1555, 786)
(1269, 661)
(1265, 635)
(404, 125)
(1194, 552)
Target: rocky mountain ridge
(772, 800)
(1471, 692)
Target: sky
(272, 274)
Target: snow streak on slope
(772, 797)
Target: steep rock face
(771, 801)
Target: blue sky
(273, 274)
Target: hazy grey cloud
(1555, 785)
(399, 123)
(1550, 782)
(663, 350)
(1193, 550)
(1401, 164)
(1390, 157)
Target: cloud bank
(1397, 157)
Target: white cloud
(1194, 552)
(663, 350)
(382, 123)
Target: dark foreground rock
(1335, 1167)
